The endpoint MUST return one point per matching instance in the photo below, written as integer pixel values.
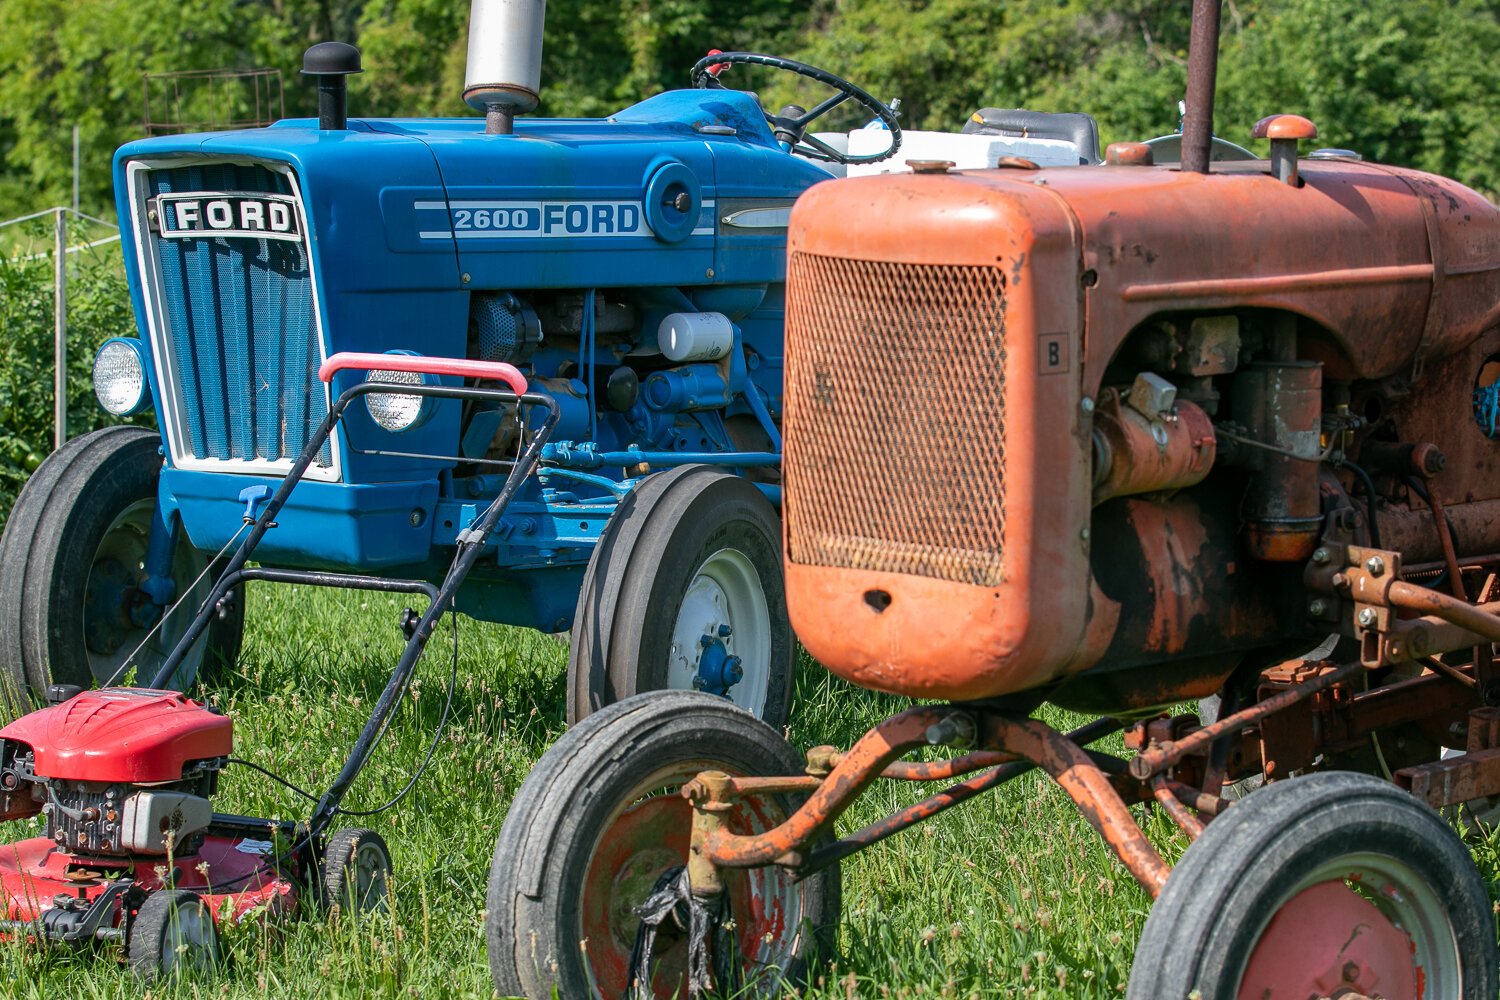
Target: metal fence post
(60, 349)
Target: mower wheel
(1325, 885)
(172, 933)
(357, 872)
(598, 826)
(72, 605)
(685, 591)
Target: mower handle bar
(497, 371)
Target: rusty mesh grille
(895, 417)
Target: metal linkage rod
(996, 776)
(1164, 755)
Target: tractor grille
(895, 417)
(240, 331)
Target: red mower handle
(463, 367)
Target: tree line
(1403, 81)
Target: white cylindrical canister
(695, 336)
(505, 54)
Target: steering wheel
(790, 126)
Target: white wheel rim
(725, 590)
(188, 940)
(125, 541)
(371, 871)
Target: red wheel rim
(1329, 940)
(648, 838)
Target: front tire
(71, 565)
(597, 824)
(171, 934)
(686, 580)
(1323, 885)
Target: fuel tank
(942, 369)
(122, 735)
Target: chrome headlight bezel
(119, 377)
(394, 412)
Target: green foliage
(98, 308)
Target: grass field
(1012, 895)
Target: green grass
(1011, 895)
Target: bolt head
(1375, 565)
(1367, 617)
(1321, 556)
(1317, 607)
(1086, 405)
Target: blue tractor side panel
(405, 222)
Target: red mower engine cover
(122, 735)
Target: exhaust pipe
(1203, 69)
(328, 63)
(504, 73)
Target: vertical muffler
(504, 74)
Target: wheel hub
(1329, 940)
(718, 669)
(721, 641)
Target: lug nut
(725, 631)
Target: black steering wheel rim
(844, 90)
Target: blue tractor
(632, 268)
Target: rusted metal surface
(1202, 70)
(1139, 453)
(1129, 154)
(1450, 557)
(772, 786)
(1414, 717)
(979, 526)
(1162, 253)
(860, 766)
(1164, 755)
(1484, 729)
(913, 814)
(1091, 791)
(1413, 638)
(714, 847)
(1275, 127)
(1200, 802)
(1454, 780)
(1178, 601)
(1456, 674)
(1280, 404)
(1450, 609)
(1167, 799)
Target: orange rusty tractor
(1113, 437)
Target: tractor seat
(1079, 129)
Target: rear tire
(71, 566)
(1265, 901)
(357, 872)
(688, 551)
(596, 824)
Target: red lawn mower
(132, 852)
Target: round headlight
(120, 377)
(397, 411)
